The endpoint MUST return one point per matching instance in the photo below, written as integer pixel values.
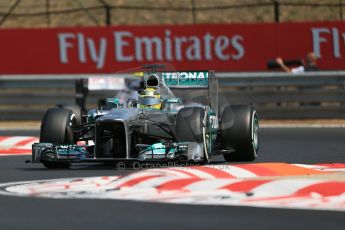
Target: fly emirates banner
(221, 47)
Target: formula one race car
(157, 127)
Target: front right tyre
(56, 128)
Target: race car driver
(150, 98)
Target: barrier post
(276, 11)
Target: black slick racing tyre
(56, 128)
(190, 128)
(240, 131)
(189, 124)
(76, 110)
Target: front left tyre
(189, 124)
(240, 132)
(190, 128)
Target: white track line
(196, 172)
(12, 141)
(234, 171)
(283, 187)
(209, 185)
(153, 182)
(276, 193)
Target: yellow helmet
(150, 98)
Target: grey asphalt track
(293, 145)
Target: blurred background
(65, 13)
(314, 25)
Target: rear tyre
(240, 131)
(56, 128)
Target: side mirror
(113, 102)
(133, 104)
(172, 103)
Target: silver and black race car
(157, 127)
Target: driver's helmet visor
(149, 101)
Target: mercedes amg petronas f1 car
(157, 127)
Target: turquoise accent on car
(157, 148)
(190, 78)
(211, 130)
(173, 100)
(71, 151)
(113, 101)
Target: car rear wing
(202, 83)
(189, 79)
